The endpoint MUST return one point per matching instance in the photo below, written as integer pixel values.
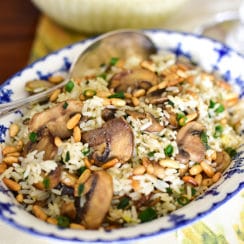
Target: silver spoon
(121, 44)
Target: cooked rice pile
(133, 141)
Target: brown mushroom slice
(222, 160)
(114, 139)
(189, 142)
(154, 127)
(108, 114)
(98, 199)
(55, 118)
(136, 78)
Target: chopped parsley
(218, 131)
(81, 170)
(80, 189)
(86, 151)
(182, 200)
(219, 109)
(181, 118)
(169, 150)
(33, 136)
(169, 190)
(123, 203)
(89, 93)
(103, 76)
(69, 86)
(118, 95)
(67, 156)
(147, 215)
(231, 151)
(204, 138)
(65, 105)
(113, 61)
(151, 154)
(63, 221)
(211, 104)
(46, 183)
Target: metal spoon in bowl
(122, 44)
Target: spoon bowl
(122, 44)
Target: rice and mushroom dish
(126, 144)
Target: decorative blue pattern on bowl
(212, 56)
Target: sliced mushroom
(222, 160)
(55, 118)
(189, 142)
(45, 143)
(108, 114)
(68, 209)
(154, 127)
(113, 140)
(136, 78)
(98, 199)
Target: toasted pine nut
(139, 93)
(159, 171)
(56, 79)
(84, 176)
(39, 213)
(14, 154)
(198, 179)
(20, 145)
(87, 163)
(191, 117)
(106, 101)
(20, 198)
(145, 161)
(52, 221)
(77, 134)
(103, 94)
(82, 97)
(181, 73)
(118, 102)
(12, 185)
(152, 89)
(150, 169)
(146, 64)
(77, 226)
(139, 170)
(190, 180)
(213, 155)
(169, 163)
(207, 182)
(73, 121)
(13, 130)
(9, 160)
(195, 169)
(53, 97)
(9, 149)
(208, 170)
(110, 163)
(135, 101)
(135, 185)
(216, 176)
(3, 167)
(163, 84)
(57, 141)
(68, 179)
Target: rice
(149, 162)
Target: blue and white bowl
(212, 56)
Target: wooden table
(18, 20)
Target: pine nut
(52, 221)
(162, 84)
(9, 149)
(77, 226)
(77, 134)
(118, 102)
(56, 79)
(9, 160)
(152, 89)
(3, 167)
(145, 161)
(110, 163)
(195, 169)
(139, 170)
(13, 130)
(53, 97)
(135, 101)
(190, 180)
(216, 176)
(150, 169)
(73, 121)
(135, 185)
(57, 141)
(20, 145)
(68, 179)
(39, 213)
(207, 182)
(169, 163)
(14, 154)
(84, 176)
(159, 172)
(87, 163)
(198, 179)
(139, 93)
(208, 170)
(20, 198)
(12, 185)
(146, 64)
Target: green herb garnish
(65, 105)
(81, 170)
(151, 154)
(204, 138)
(117, 95)
(182, 200)
(231, 151)
(147, 215)
(69, 86)
(219, 109)
(63, 221)
(218, 131)
(33, 136)
(80, 189)
(86, 151)
(123, 203)
(171, 103)
(67, 156)
(169, 190)
(211, 104)
(46, 183)
(181, 118)
(89, 93)
(113, 61)
(169, 150)
(103, 75)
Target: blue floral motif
(227, 75)
(179, 51)
(3, 130)
(222, 51)
(5, 95)
(240, 82)
(177, 219)
(6, 207)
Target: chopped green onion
(81, 170)
(193, 191)
(80, 189)
(151, 154)
(63, 221)
(147, 215)
(169, 190)
(123, 203)
(181, 118)
(67, 156)
(103, 75)
(231, 151)
(169, 150)
(65, 105)
(69, 86)
(219, 109)
(86, 151)
(204, 138)
(89, 93)
(33, 136)
(113, 61)
(118, 95)
(211, 104)
(182, 200)
(171, 103)
(218, 131)
(46, 182)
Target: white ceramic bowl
(96, 16)
(209, 54)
